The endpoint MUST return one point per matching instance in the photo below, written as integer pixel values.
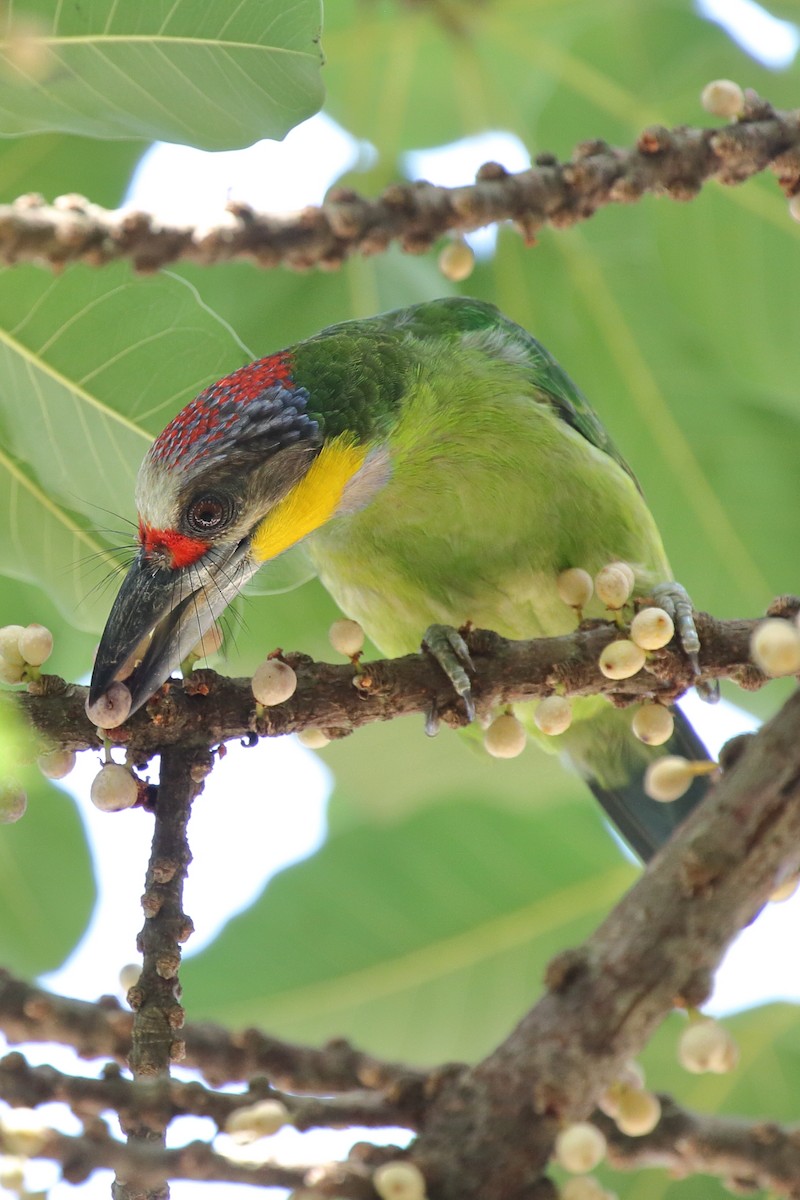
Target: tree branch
(674, 163)
(154, 998)
(103, 1030)
(745, 1155)
(147, 1102)
(207, 709)
(491, 1132)
(488, 1131)
(96, 1149)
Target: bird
(441, 471)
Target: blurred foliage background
(422, 927)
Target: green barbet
(440, 469)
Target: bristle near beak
(159, 616)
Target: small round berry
(11, 672)
(257, 1120)
(785, 890)
(209, 643)
(129, 976)
(668, 778)
(12, 1172)
(239, 1125)
(652, 628)
(313, 739)
(584, 1187)
(638, 1112)
(113, 788)
(722, 98)
(24, 1132)
(56, 764)
(133, 659)
(631, 1076)
(707, 1046)
(608, 1101)
(775, 647)
(457, 260)
(575, 587)
(13, 803)
(553, 715)
(399, 1181)
(111, 709)
(621, 659)
(579, 1148)
(653, 724)
(36, 644)
(614, 584)
(627, 571)
(346, 637)
(505, 737)
(269, 1116)
(273, 682)
(9, 644)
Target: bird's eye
(207, 513)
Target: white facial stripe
(156, 496)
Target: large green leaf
(419, 771)
(214, 75)
(53, 164)
(272, 309)
(91, 366)
(425, 939)
(46, 880)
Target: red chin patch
(181, 550)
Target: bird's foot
(674, 599)
(446, 645)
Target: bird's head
(239, 475)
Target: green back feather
(358, 372)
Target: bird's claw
(432, 721)
(446, 645)
(674, 599)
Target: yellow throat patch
(312, 501)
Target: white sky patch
(768, 39)
(755, 970)
(261, 810)
(760, 966)
(456, 164)
(183, 185)
(717, 723)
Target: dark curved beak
(159, 616)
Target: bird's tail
(613, 764)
